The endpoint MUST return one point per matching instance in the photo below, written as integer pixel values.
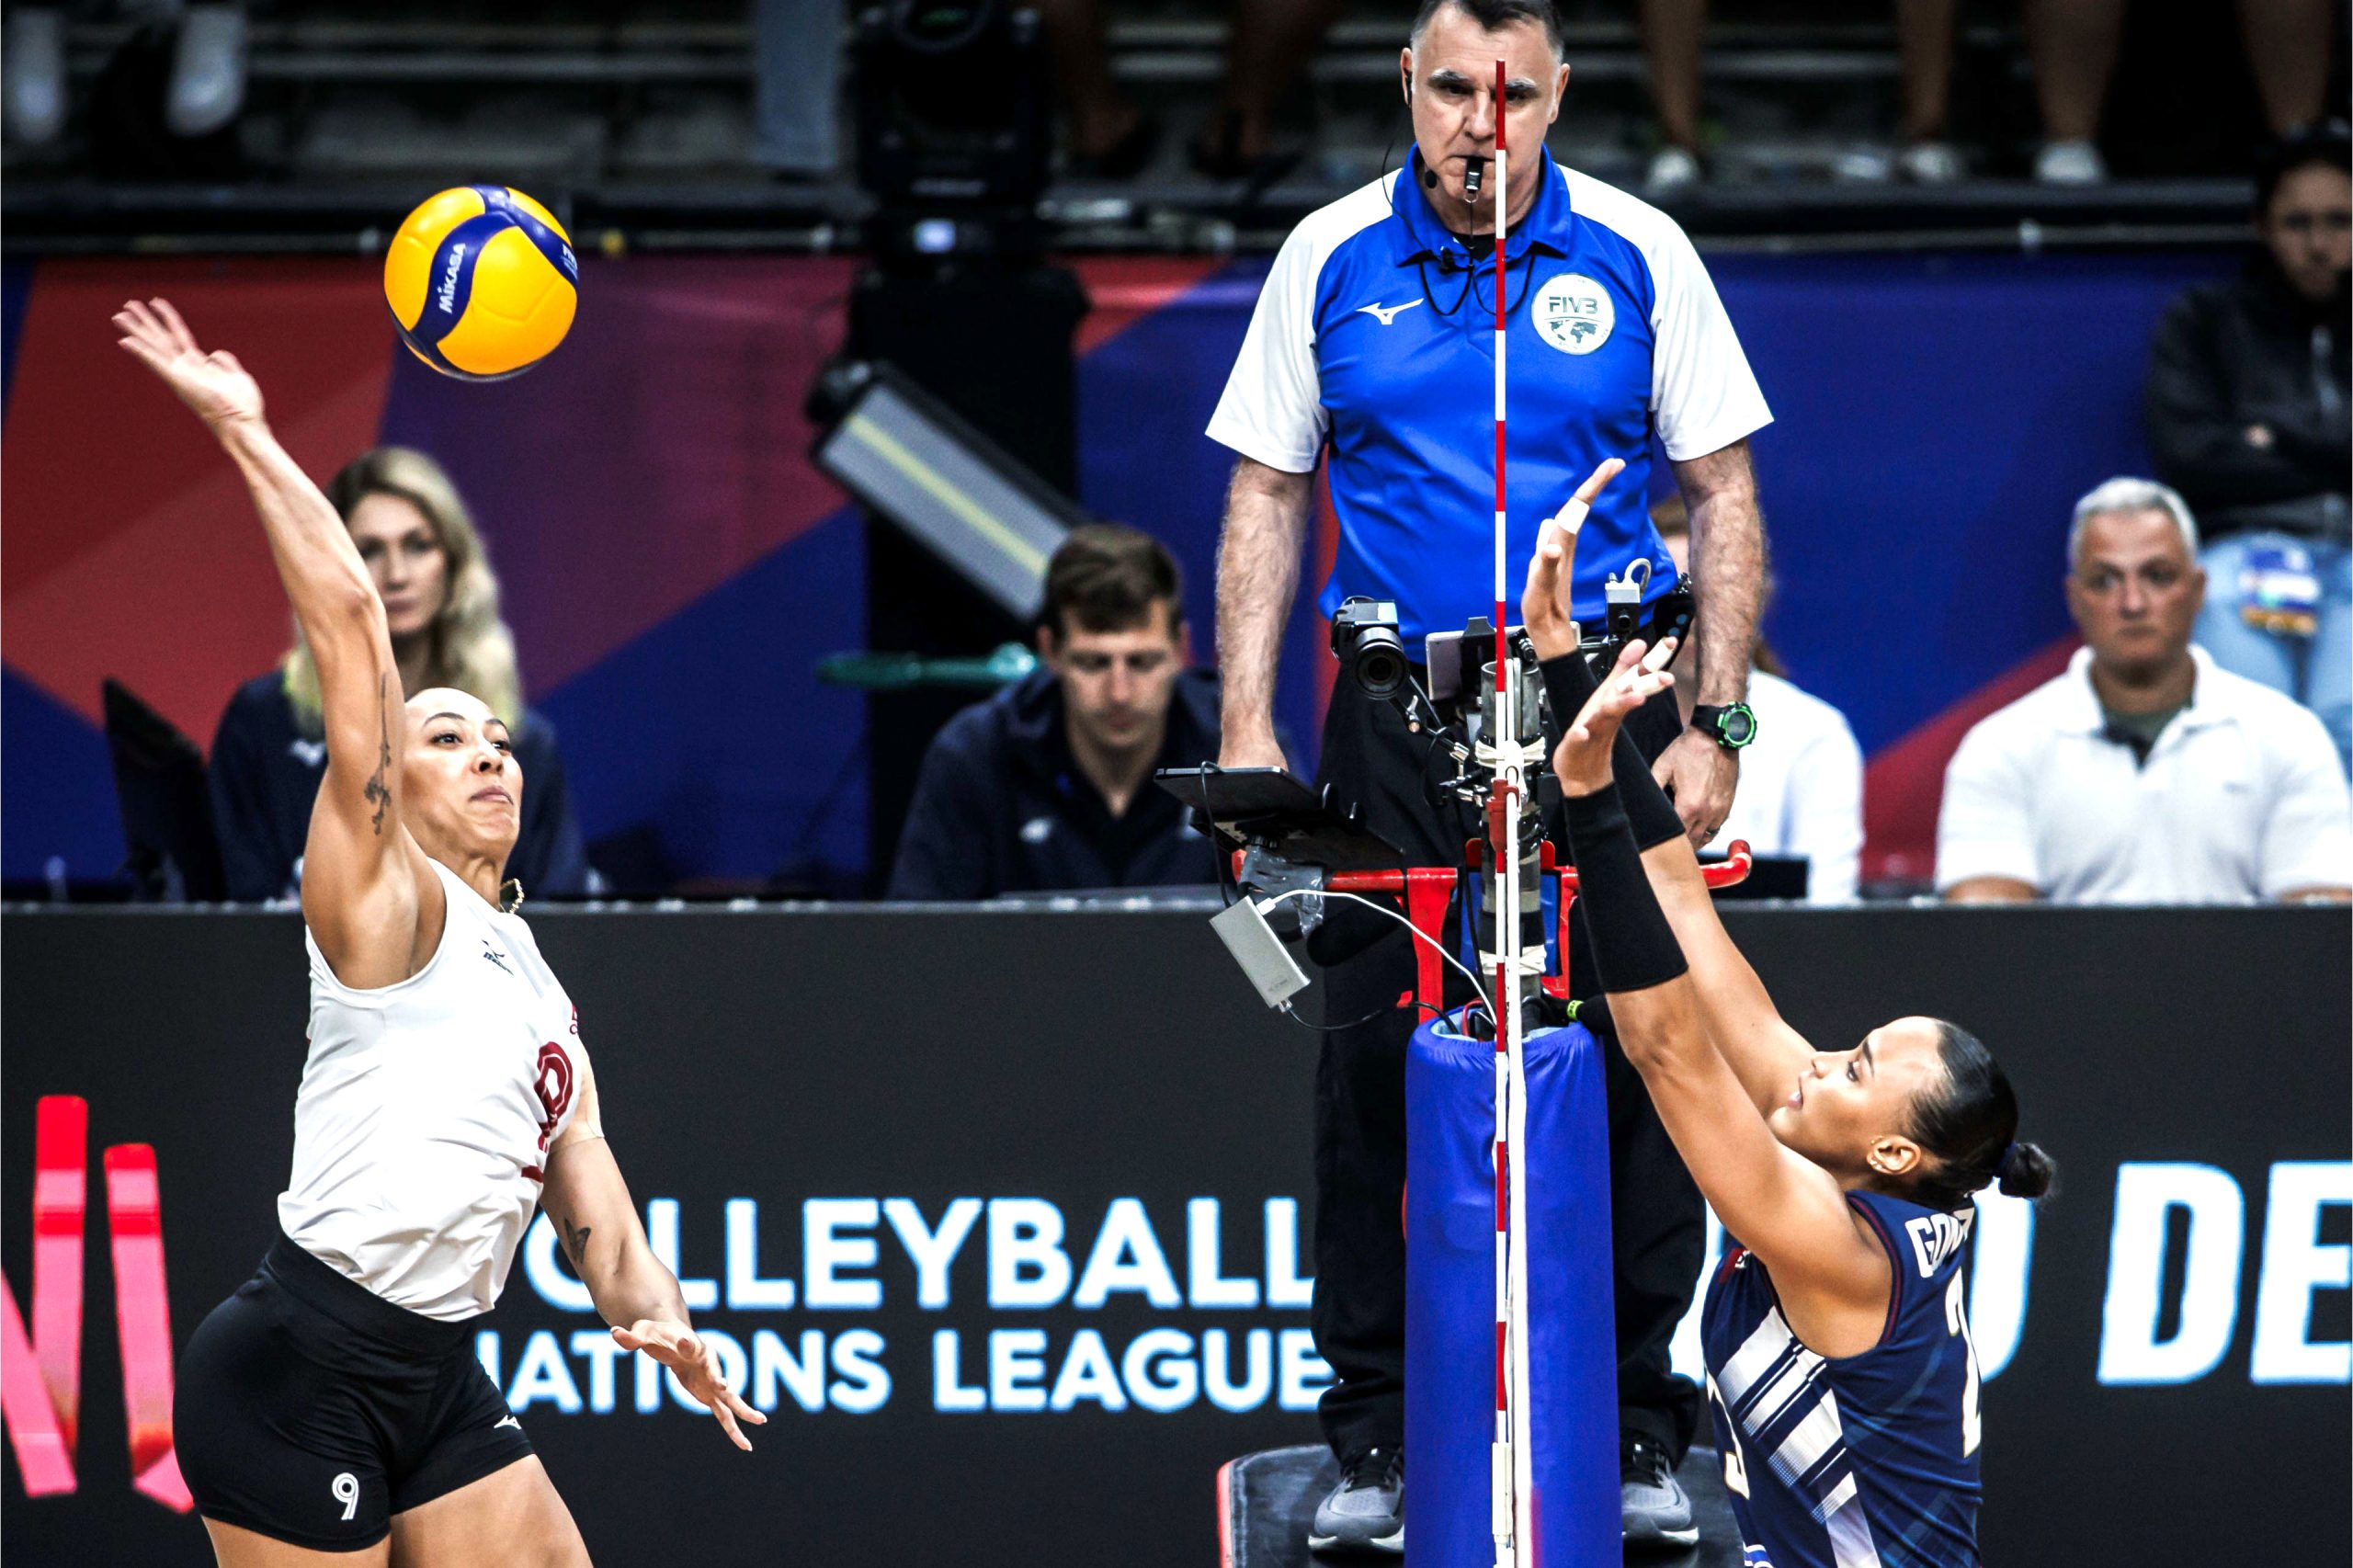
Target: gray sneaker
(1367, 1511)
(1654, 1510)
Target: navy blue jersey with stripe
(1868, 1460)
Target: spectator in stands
(441, 603)
(2073, 45)
(2248, 403)
(1802, 779)
(1111, 139)
(1048, 784)
(2290, 47)
(2146, 774)
(1672, 32)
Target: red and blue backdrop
(674, 566)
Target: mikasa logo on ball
(1574, 314)
(450, 277)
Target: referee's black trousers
(1657, 1221)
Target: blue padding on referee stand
(1450, 1302)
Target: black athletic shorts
(311, 1410)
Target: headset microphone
(1429, 179)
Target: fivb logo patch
(40, 1373)
(1574, 314)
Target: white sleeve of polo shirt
(1701, 389)
(1986, 826)
(2308, 838)
(1272, 410)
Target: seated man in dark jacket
(1048, 784)
(2248, 418)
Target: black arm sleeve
(1634, 947)
(1568, 682)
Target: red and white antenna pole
(1508, 1455)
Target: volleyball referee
(1372, 343)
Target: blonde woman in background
(440, 602)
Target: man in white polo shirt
(2146, 774)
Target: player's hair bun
(2026, 1171)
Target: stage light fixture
(912, 460)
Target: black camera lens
(1365, 640)
(1380, 666)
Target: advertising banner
(1005, 1218)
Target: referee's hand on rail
(690, 1356)
(1699, 776)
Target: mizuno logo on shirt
(494, 956)
(1386, 314)
(506, 1421)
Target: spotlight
(906, 456)
(952, 99)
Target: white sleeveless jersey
(427, 1112)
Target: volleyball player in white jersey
(332, 1407)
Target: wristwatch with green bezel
(1731, 726)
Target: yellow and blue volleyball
(482, 282)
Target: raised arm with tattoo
(1258, 572)
(588, 1203)
(373, 907)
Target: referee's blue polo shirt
(1373, 335)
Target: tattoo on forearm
(378, 792)
(575, 1243)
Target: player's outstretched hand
(690, 1356)
(213, 384)
(1544, 602)
(1582, 759)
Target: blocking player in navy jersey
(332, 1411)
(1840, 1374)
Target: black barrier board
(1007, 1215)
